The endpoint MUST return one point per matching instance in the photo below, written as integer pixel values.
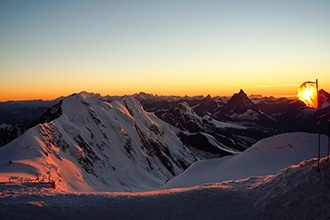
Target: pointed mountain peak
(241, 92)
(241, 96)
(239, 102)
(207, 98)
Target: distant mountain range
(259, 116)
(236, 122)
(133, 143)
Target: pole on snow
(318, 145)
(319, 129)
(308, 93)
(328, 128)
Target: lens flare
(308, 93)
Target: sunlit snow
(93, 154)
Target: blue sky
(163, 47)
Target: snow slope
(250, 185)
(265, 157)
(95, 145)
(296, 192)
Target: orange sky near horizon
(47, 92)
(190, 47)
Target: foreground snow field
(296, 192)
(277, 178)
(265, 157)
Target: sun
(308, 93)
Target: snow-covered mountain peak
(109, 146)
(185, 108)
(133, 105)
(144, 96)
(85, 95)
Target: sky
(50, 49)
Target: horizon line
(295, 96)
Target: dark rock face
(182, 117)
(8, 133)
(51, 114)
(201, 133)
(239, 103)
(18, 116)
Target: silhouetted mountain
(239, 103)
(324, 99)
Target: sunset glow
(308, 93)
(50, 49)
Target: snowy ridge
(302, 190)
(265, 157)
(182, 117)
(96, 145)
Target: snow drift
(265, 157)
(296, 192)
